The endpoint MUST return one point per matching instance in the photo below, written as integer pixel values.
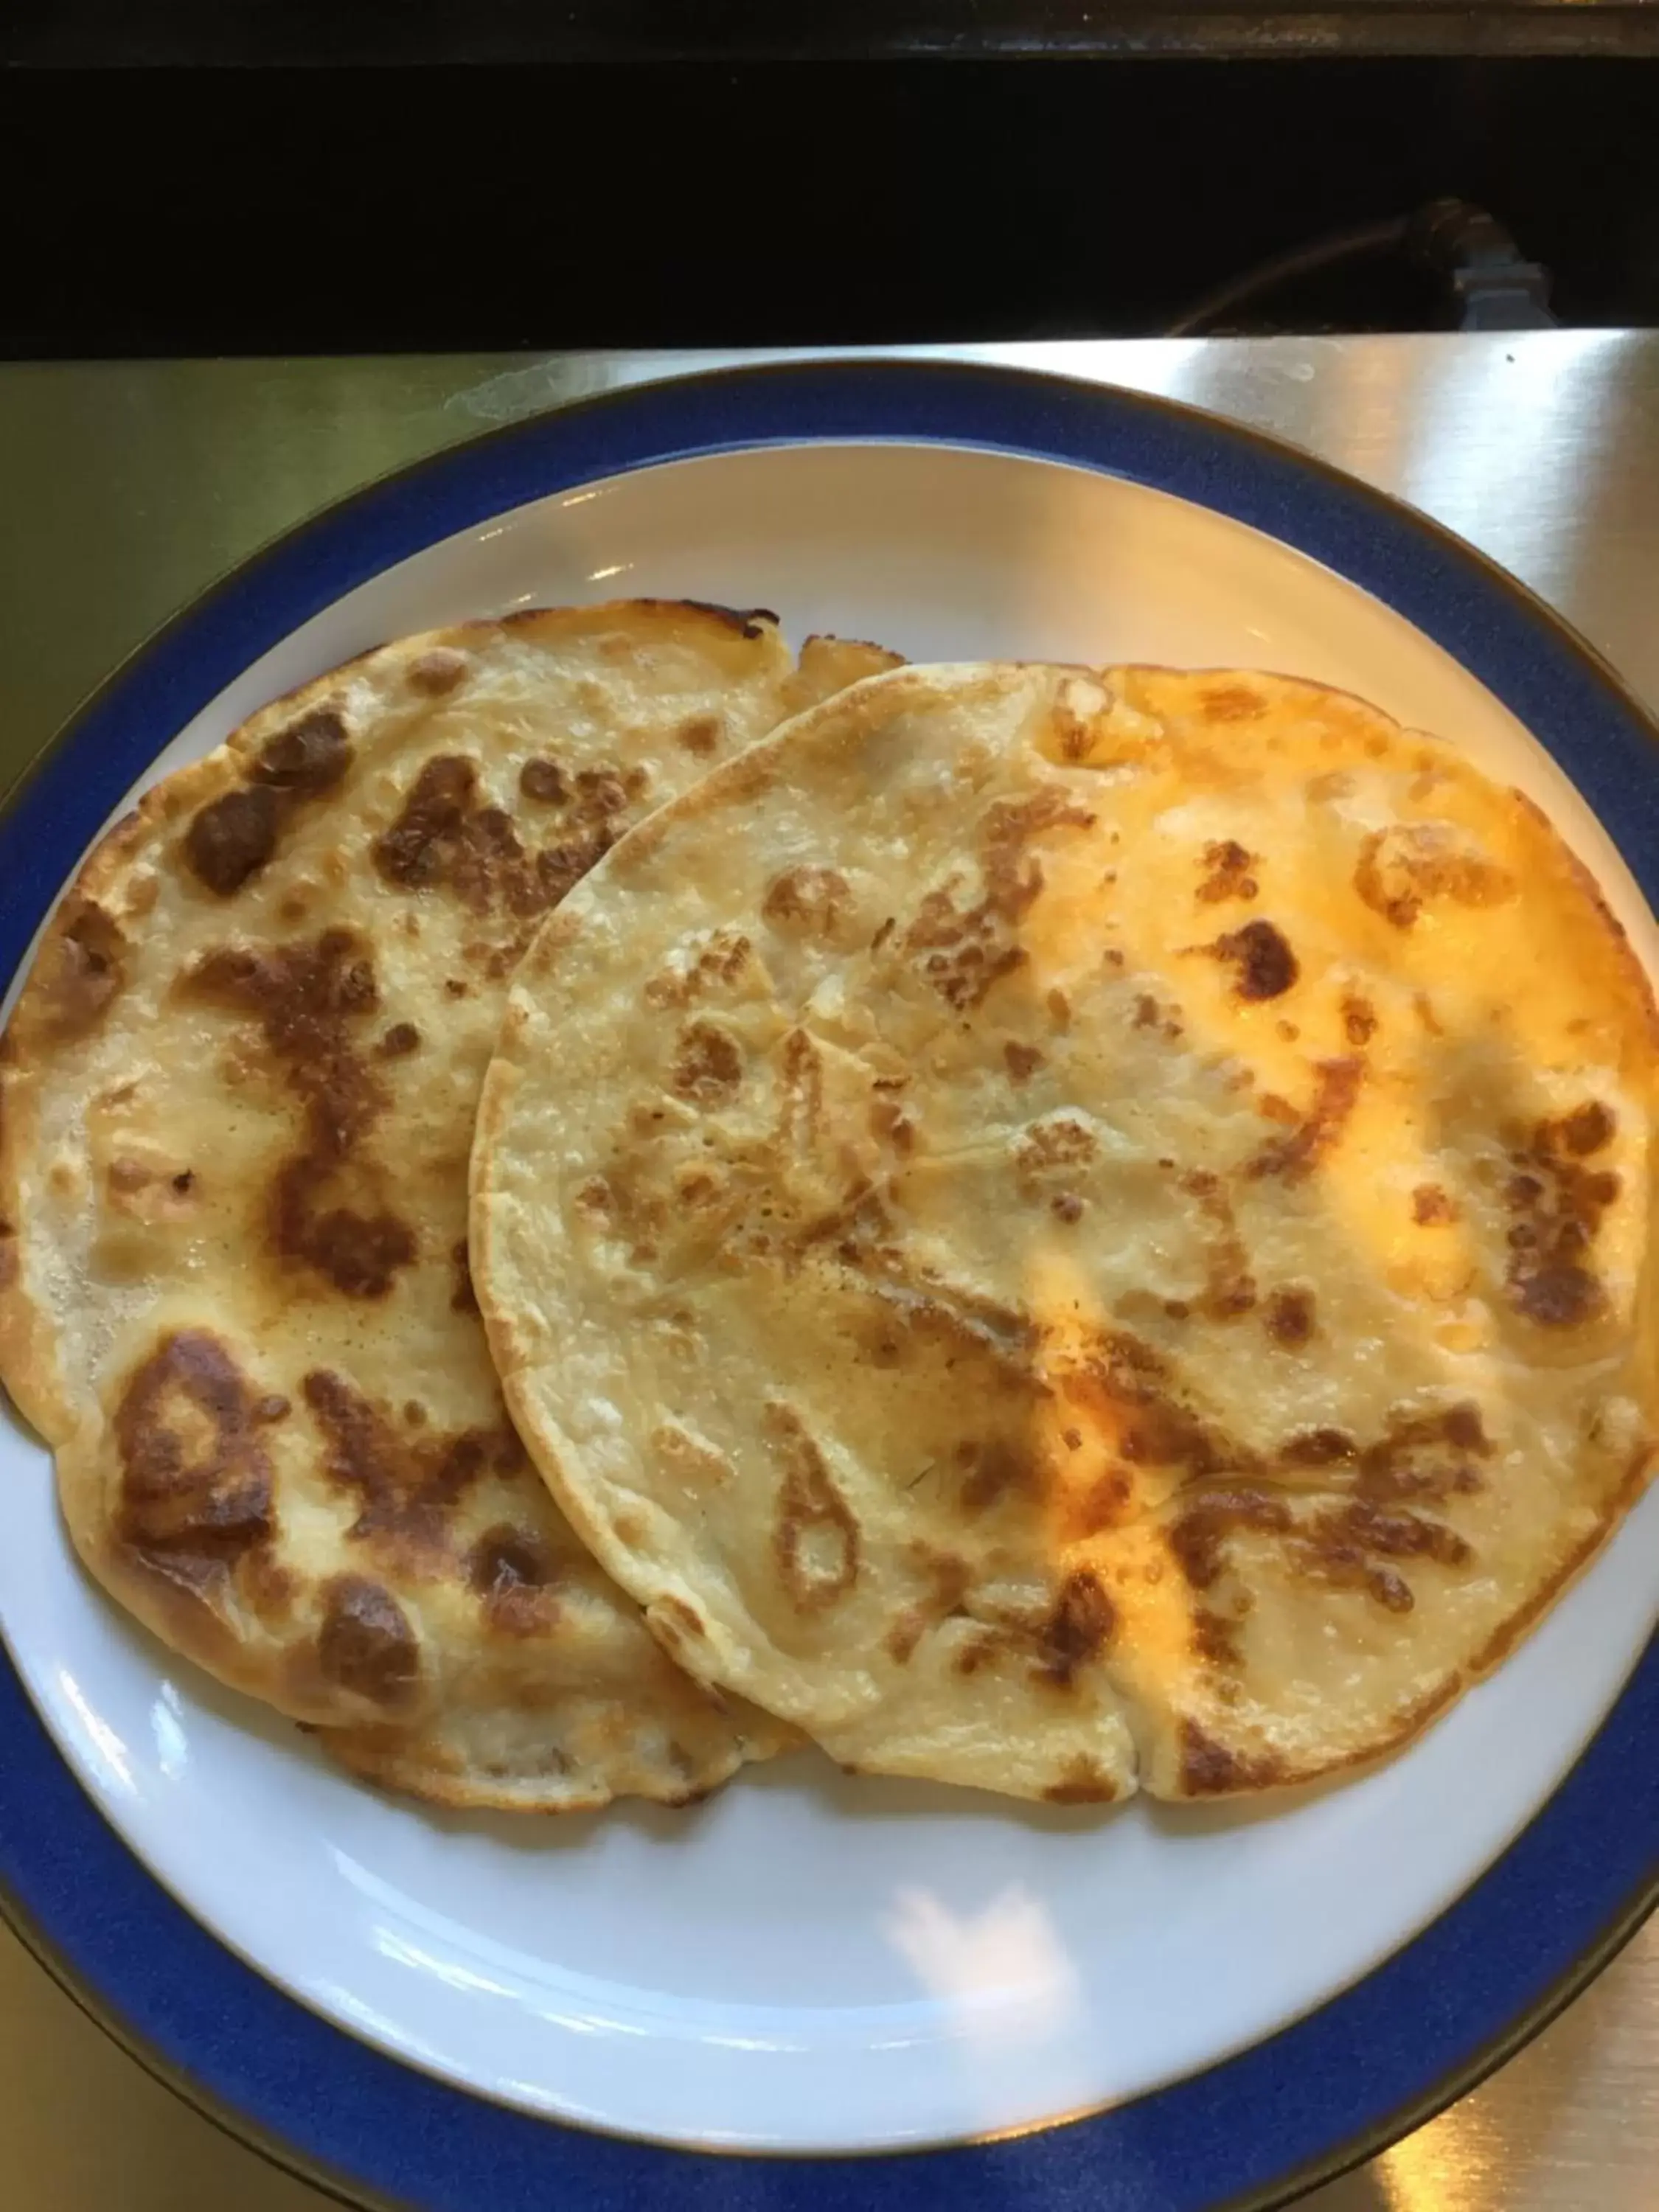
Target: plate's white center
(808, 1961)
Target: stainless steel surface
(124, 488)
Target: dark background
(202, 209)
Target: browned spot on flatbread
(405, 1482)
(196, 1479)
(401, 1039)
(445, 838)
(543, 781)
(988, 1646)
(1021, 1061)
(699, 735)
(310, 755)
(815, 1537)
(1231, 703)
(890, 1125)
(686, 1619)
(364, 1644)
(1358, 1020)
(1014, 879)
(707, 1065)
(966, 950)
(1209, 1769)
(988, 1347)
(84, 966)
(1289, 1318)
(1134, 1396)
(1229, 1286)
(1337, 1085)
(232, 838)
(1561, 1295)
(995, 1470)
(1215, 1639)
(1558, 1203)
(693, 1466)
(1587, 1129)
(1107, 1502)
(1263, 964)
(1082, 1781)
(1198, 1537)
(1432, 1206)
(600, 793)
(437, 672)
(1318, 1448)
(808, 900)
(1228, 873)
(308, 998)
(1403, 868)
(512, 1571)
(1351, 1544)
(963, 979)
(1077, 1628)
(619, 1206)
(1350, 1547)
(1061, 1142)
(720, 962)
(1419, 1455)
(906, 1632)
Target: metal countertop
(125, 487)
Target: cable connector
(1492, 287)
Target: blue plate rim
(1250, 2133)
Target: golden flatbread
(239, 1095)
(1060, 1228)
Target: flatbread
(239, 1093)
(1057, 1229)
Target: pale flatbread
(239, 1093)
(1057, 1230)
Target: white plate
(808, 1962)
